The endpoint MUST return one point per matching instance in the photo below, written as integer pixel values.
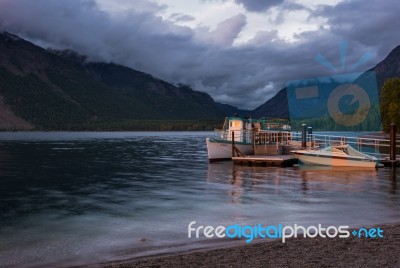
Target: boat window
(235, 123)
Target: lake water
(73, 198)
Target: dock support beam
(233, 143)
(304, 136)
(392, 143)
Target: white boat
(246, 133)
(336, 156)
(222, 149)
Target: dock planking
(265, 160)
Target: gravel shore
(299, 252)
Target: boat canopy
(347, 149)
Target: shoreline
(296, 252)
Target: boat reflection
(244, 181)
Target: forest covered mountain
(47, 89)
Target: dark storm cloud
(373, 23)
(245, 75)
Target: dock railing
(371, 145)
(368, 144)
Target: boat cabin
(247, 130)
(240, 127)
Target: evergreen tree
(390, 103)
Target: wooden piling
(304, 136)
(235, 150)
(392, 143)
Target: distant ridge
(230, 110)
(277, 106)
(389, 67)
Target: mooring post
(304, 136)
(309, 132)
(233, 143)
(392, 143)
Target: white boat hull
(334, 162)
(218, 150)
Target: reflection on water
(86, 197)
(294, 195)
(393, 177)
(309, 179)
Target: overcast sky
(241, 52)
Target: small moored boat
(336, 156)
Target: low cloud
(228, 30)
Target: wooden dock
(272, 149)
(265, 160)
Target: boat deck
(266, 160)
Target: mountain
(230, 110)
(47, 89)
(388, 68)
(277, 106)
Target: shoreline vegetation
(378, 119)
(172, 125)
(296, 252)
(134, 125)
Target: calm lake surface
(73, 198)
